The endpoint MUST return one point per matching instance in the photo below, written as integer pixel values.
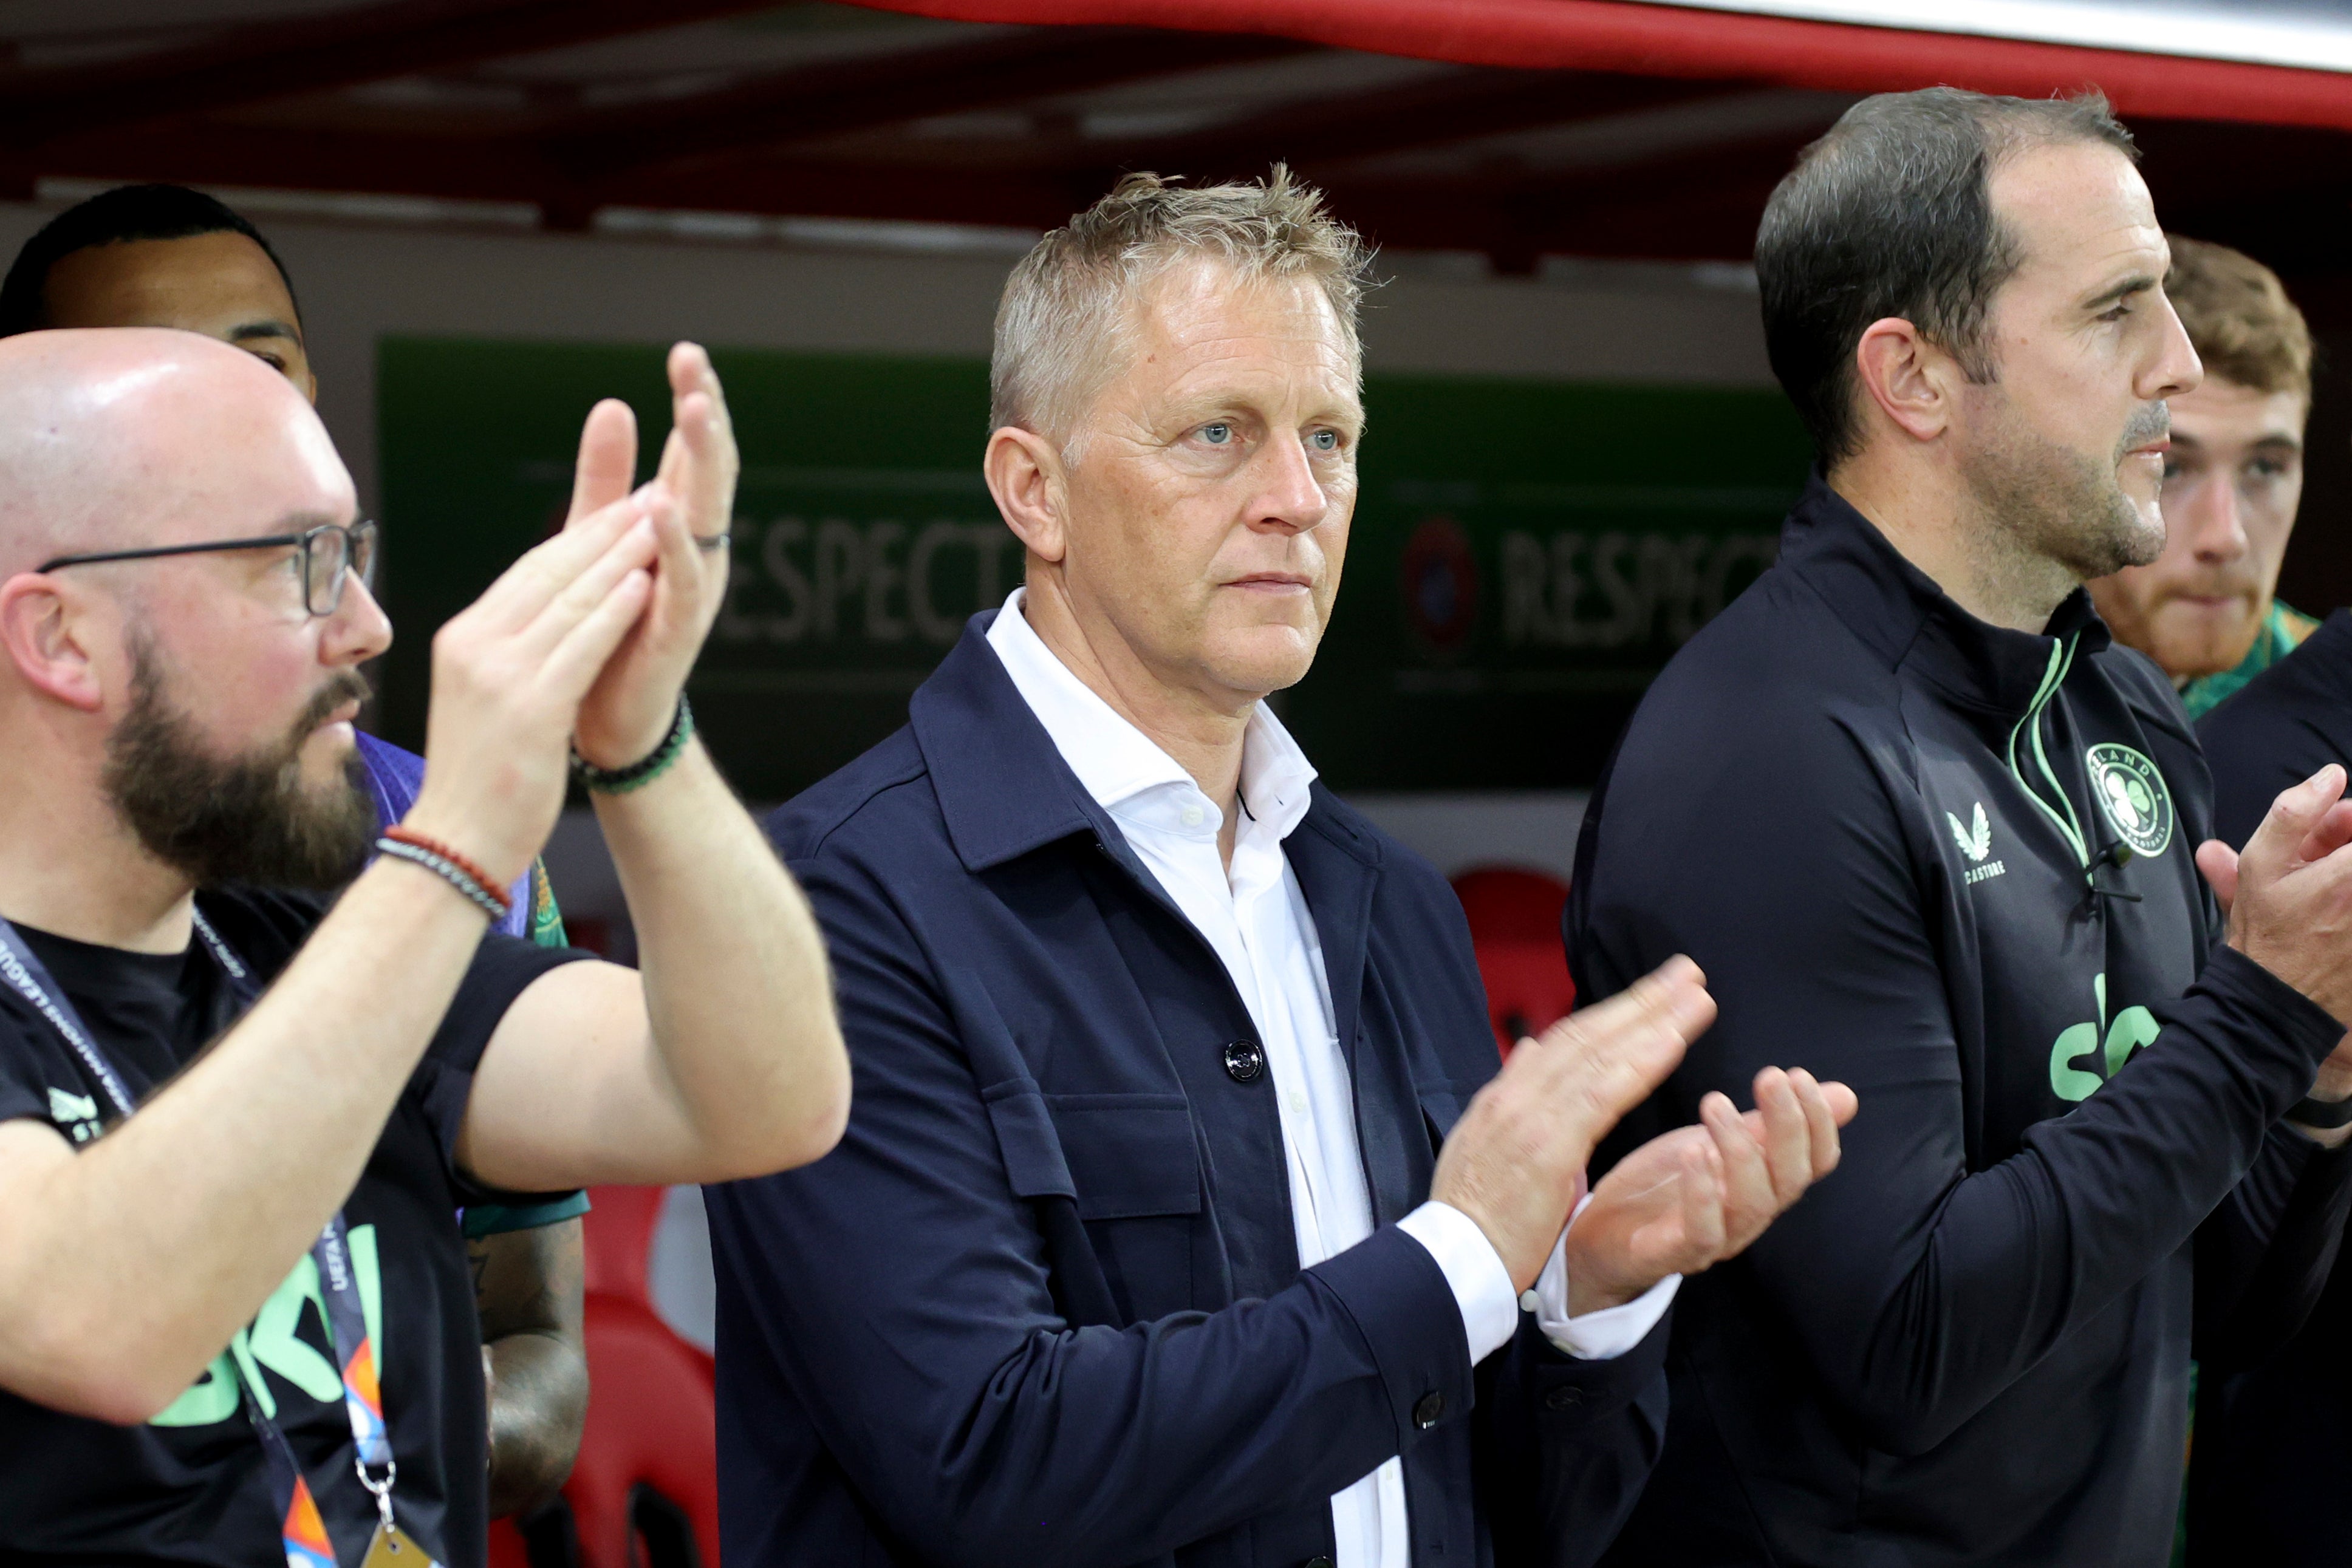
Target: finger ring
(712, 542)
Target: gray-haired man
(1125, 1257)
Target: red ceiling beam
(847, 96)
(260, 61)
(220, 155)
(211, 152)
(1670, 41)
(1432, 113)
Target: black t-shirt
(192, 1485)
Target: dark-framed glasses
(329, 554)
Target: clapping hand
(509, 675)
(1690, 1199)
(2288, 898)
(692, 500)
(1515, 1163)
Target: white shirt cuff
(1603, 1335)
(1482, 1286)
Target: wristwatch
(2322, 1112)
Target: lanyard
(302, 1530)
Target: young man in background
(163, 256)
(2206, 610)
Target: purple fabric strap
(394, 777)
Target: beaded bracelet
(408, 835)
(645, 769)
(490, 899)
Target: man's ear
(41, 635)
(1025, 475)
(1910, 380)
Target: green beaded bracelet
(643, 771)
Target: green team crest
(2132, 796)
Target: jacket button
(1244, 1061)
(1426, 1413)
(1563, 1398)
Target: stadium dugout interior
(1488, 140)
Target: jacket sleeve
(1918, 1289)
(905, 1291)
(1566, 1446)
(2265, 1254)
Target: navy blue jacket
(1042, 1305)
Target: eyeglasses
(329, 554)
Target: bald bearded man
(234, 1318)
(164, 255)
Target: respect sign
(1524, 556)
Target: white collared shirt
(1256, 919)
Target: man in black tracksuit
(1925, 826)
(2274, 1435)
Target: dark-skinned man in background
(1909, 807)
(163, 256)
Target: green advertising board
(1525, 555)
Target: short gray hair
(1891, 215)
(1068, 308)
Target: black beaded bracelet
(645, 769)
(448, 871)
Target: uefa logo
(1440, 583)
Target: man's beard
(2058, 505)
(249, 820)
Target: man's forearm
(539, 1395)
(528, 1288)
(2021, 1254)
(736, 985)
(124, 1269)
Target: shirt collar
(1116, 762)
(1897, 610)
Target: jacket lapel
(1339, 869)
(1001, 787)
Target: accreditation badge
(391, 1547)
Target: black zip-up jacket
(1888, 833)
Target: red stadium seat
(506, 1547)
(645, 1487)
(1514, 918)
(644, 1492)
(618, 1240)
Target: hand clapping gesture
(1687, 1200)
(691, 501)
(1678, 1204)
(586, 640)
